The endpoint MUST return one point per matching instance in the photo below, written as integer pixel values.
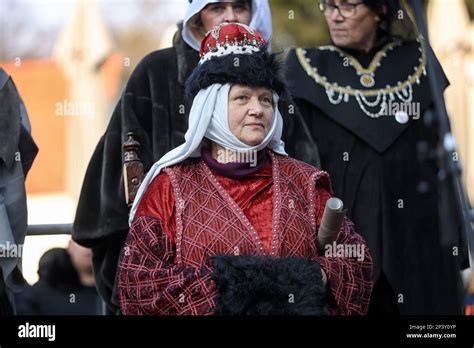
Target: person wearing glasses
(366, 100)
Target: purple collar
(234, 170)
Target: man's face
(237, 11)
(352, 31)
(250, 112)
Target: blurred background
(70, 60)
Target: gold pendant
(367, 80)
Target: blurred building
(452, 38)
(69, 98)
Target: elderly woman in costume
(154, 108)
(214, 235)
(367, 103)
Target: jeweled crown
(230, 38)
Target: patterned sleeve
(348, 266)
(150, 283)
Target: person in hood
(154, 108)
(202, 16)
(227, 222)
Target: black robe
(153, 107)
(390, 194)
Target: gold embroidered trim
(322, 80)
(374, 64)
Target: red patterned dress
(190, 213)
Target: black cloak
(391, 195)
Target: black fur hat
(234, 53)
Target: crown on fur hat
(230, 38)
(236, 54)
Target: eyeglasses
(345, 9)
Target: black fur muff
(255, 285)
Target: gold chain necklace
(336, 94)
(367, 76)
(322, 80)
